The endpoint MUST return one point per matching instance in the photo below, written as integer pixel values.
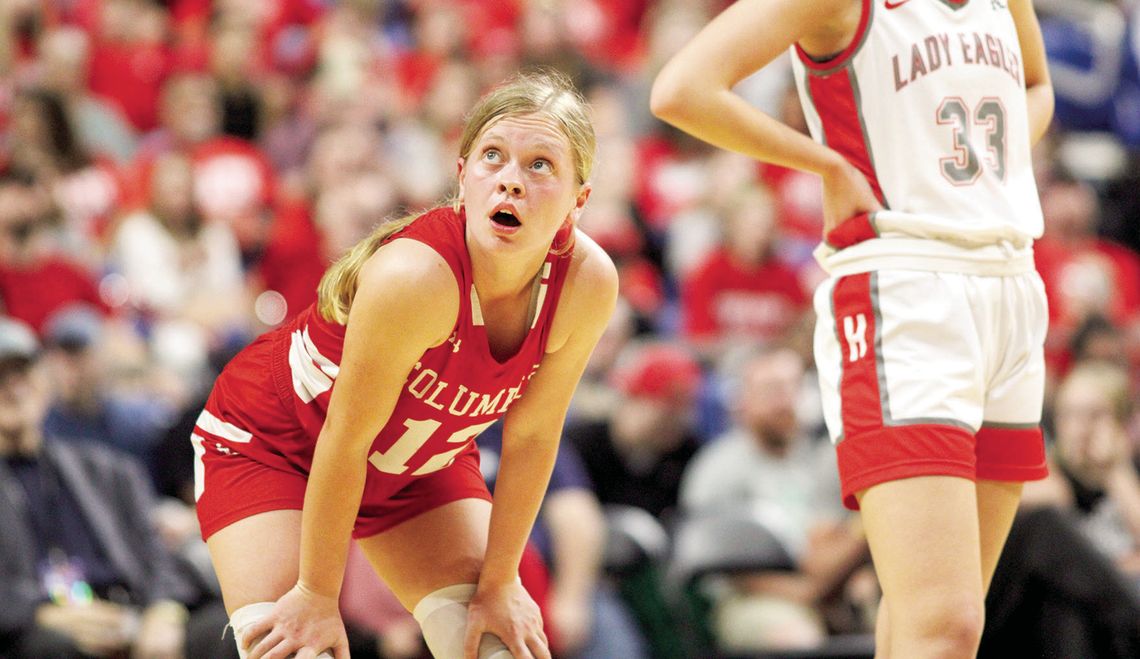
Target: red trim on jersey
(860, 398)
(851, 232)
(1011, 454)
(833, 96)
(891, 454)
(856, 41)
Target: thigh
(997, 506)
(440, 547)
(257, 558)
(924, 539)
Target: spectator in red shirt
(1084, 274)
(34, 279)
(130, 59)
(741, 292)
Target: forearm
(519, 489)
(577, 530)
(332, 499)
(1039, 103)
(1123, 485)
(833, 557)
(717, 116)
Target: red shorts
(239, 487)
(252, 455)
(932, 373)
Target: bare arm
(694, 90)
(577, 532)
(533, 427)
(1038, 85)
(389, 328)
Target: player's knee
(245, 618)
(953, 624)
(443, 619)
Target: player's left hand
(303, 623)
(508, 612)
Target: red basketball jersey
(453, 393)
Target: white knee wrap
(246, 616)
(443, 618)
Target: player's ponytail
(338, 285)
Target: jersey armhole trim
(832, 64)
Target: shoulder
(411, 265)
(407, 281)
(593, 278)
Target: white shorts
(932, 373)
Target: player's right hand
(302, 624)
(846, 194)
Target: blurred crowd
(175, 175)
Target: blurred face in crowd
(24, 399)
(769, 388)
(191, 108)
(649, 424)
(23, 211)
(750, 225)
(172, 191)
(65, 52)
(1070, 210)
(1090, 413)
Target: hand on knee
(443, 618)
(245, 618)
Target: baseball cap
(660, 371)
(18, 342)
(73, 328)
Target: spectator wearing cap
(83, 571)
(86, 405)
(636, 456)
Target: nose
(510, 182)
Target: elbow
(667, 98)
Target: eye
(492, 155)
(541, 165)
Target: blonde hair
(545, 92)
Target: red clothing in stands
(723, 298)
(33, 293)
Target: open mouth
(505, 218)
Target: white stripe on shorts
(223, 429)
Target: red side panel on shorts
(854, 312)
(1011, 454)
(891, 454)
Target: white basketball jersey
(928, 102)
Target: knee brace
(246, 616)
(443, 619)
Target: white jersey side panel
(929, 102)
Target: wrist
(315, 591)
(1122, 478)
(167, 611)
